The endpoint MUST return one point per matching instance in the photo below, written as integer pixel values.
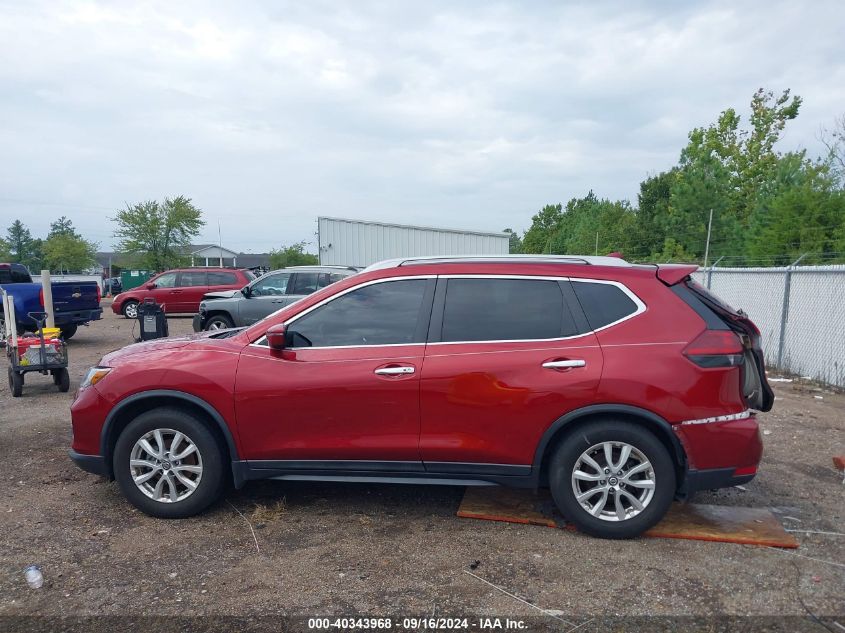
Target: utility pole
(597, 242)
(220, 242)
(707, 246)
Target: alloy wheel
(131, 310)
(166, 465)
(613, 481)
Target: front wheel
(15, 383)
(169, 464)
(612, 479)
(130, 309)
(218, 322)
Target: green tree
(652, 216)
(62, 226)
(293, 255)
(68, 253)
(5, 251)
(544, 225)
(155, 233)
(594, 226)
(22, 247)
(514, 242)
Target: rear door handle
(394, 371)
(564, 364)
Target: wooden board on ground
(727, 524)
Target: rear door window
(603, 303)
(504, 310)
(303, 284)
(191, 278)
(216, 278)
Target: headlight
(94, 375)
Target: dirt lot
(394, 550)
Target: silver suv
(265, 295)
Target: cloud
(470, 116)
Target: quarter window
(603, 304)
(504, 310)
(386, 313)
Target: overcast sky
(466, 115)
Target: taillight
(99, 294)
(41, 297)
(715, 348)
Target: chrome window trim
(641, 307)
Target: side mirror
(149, 286)
(246, 291)
(276, 337)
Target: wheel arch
(570, 422)
(129, 408)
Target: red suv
(618, 386)
(181, 290)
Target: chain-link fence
(800, 311)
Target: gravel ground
(394, 550)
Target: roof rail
(590, 260)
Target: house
(195, 255)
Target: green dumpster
(133, 278)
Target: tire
(618, 518)
(15, 383)
(207, 456)
(68, 331)
(219, 322)
(61, 378)
(130, 309)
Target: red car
(181, 290)
(618, 386)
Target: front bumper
(198, 322)
(714, 478)
(94, 464)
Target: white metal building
(357, 243)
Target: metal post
(597, 242)
(784, 315)
(48, 297)
(707, 245)
(710, 271)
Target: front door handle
(394, 371)
(564, 364)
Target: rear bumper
(94, 464)
(78, 317)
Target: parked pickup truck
(75, 303)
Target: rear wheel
(61, 378)
(130, 309)
(68, 331)
(218, 322)
(612, 479)
(169, 464)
